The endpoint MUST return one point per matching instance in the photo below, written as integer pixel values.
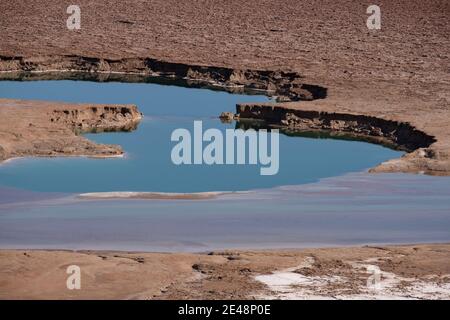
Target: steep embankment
(288, 86)
(424, 153)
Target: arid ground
(419, 272)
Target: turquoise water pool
(147, 164)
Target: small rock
(226, 117)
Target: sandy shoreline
(13, 159)
(407, 272)
(153, 195)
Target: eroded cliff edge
(425, 153)
(41, 128)
(287, 86)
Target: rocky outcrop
(38, 128)
(429, 160)
(226, 117)
(98, 118)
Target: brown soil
(37, 274)
(39, 128)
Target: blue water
(147, 165)
(353, 209)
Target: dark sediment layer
(398, 134)
(287, 86)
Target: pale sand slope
(412, 271)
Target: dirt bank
(427, 143)
(39, 128)
(419, 271)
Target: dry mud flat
(406, 272)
